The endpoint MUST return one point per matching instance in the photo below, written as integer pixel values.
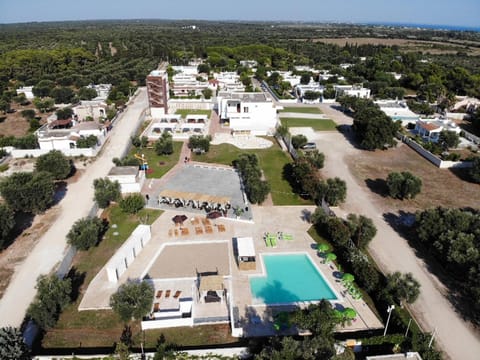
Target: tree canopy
(256, 189)
(403, 185)
(164, 145)
(12, 344)
(55, 163)
(106, 191)
(86, 232)
(133, 300)
(132, 204)
(53, 295)
(7, 222)
(30, 192)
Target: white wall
(127, 253)
(20, 153)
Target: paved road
(392, 252)
(77, 203)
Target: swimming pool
(289, 279)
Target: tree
(28, 114)
(55, 163)
(207, 93)
(319, 318)
(199, 143)
(402, 287)
(4, 106)
(62, 95)
(106, 191)
(7, 222)
(403, 185)
(334, 191)
(315, 158)
(305, 79)
(43, 88)
(12, 344)
(64, 113)
(86, 232)
(474, 171)
(132, 300)
(312, 95)
(132, 204)
(53, 295)
(43, 105)
(164, 145)
(89, 142)
(299, 140)
(362, 229)
(86, 93)
(449, 139)
(28, 192)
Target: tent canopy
(245, 247)
(211, 282)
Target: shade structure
(349, 313)
(330, 257)
(179, 219)
(214, 215)
(323, 247)
(348, 277)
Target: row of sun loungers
(158, 295)
(208, 229)
(271, 239)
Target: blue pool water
(289, 279)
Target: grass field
(160, 164)
(272, 162)
(301, 110)
(96, 328)
(315, 124)
(184, 112)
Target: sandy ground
(392, 253)
(78, 201)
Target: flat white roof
(245, 247)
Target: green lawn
(315, 124)
(184, 112)
(301, 110)
(272, 162)
(160, 164)
(96, 328)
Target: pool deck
(175, 268)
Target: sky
(465, 13)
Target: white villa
(430, 129)
(301, 89)
(248, 113)
(103, 90)
(352, 90)
(27, 90)
(398, 110)
(94, 109)
(130, 178)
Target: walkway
(50, 248)
(392, 252)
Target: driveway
(77, 203)
(392, 253)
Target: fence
(434, 159)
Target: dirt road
(392, 253)
(78, 201)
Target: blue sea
(429, 26)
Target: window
(245, 109)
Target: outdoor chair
(177, 294)
(159, 294)
(167, 293)
(156, 307)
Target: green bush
(132, 204)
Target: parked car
(309, 146)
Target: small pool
(290, 278)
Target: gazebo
(246, 253)
(211, 289)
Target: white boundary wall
(127, 253)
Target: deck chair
(159, 294)
(167, 293)
(177, 294)
(156, 307)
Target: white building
(430, 129)
(227, 81)
(186, 69)
(352, 90)
(248, 113)
(27, 90)
(248, 63)
(64, 134)
(93, 109)
(301, 89)
(130, 178)
(103, 90)
(397, 110)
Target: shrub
(86, 233)
(132, 204)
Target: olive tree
(132, 300)
(132, 204)
(403, 185)
(12, 344)
(86, 232)
(55, 163)
(7, 222)
(106, 191)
